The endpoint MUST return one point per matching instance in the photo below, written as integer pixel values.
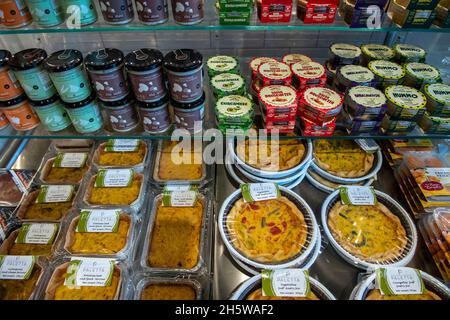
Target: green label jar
(85, 8)
(52, 114)
(46, 13)
(85, 115)
(67, 73)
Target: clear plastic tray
(11, 188)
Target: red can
(310, 128)
(15, 13)
(308, 74)
(278, 102)
(256, 62)
(273, 73)
(320, 105)
(274, 10)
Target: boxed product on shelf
(234, 12)
(442, 14)
(119, 153)
(410, 18)
(418, 4)
(359, 13)
(317, 11)
(274, 11)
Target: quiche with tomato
(371, 233)
(427, 295)
(257, 295)
(267, 231)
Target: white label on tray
(180, 187)
(98, 220)
(122, 145)
(260, 191)
(16, 267)
(358, 195)
(402, 280)
(55, 193)
(37, 233)
(186, 198)
(70, 160)
(285, 283)
(89, 272)
(114, 178)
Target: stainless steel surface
(8, 151)
(32, 154)
(330, 269)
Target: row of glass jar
(49, 13)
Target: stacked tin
(341, 54)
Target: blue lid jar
(52, 113)
(85, 115)
(46, 13)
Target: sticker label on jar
(308, 70)
(221, 63)
(55, 193)
(422, 71)
(294, 58)
(367, 96)
(378, 51)
(252, 192)
(274, 70)
(184, 198)
(358, 195)
(402, 280)
(356, 73)
(344, 50)
(234, 106)
(89, 272)
(70, 160)
(16, 267)
(227, 82)
(104, 221)
(122, 145)
(406, 97)
(387, 69)
(114, 178)
(37, 233)
(278, 96)
(285, 283)
(439, 92)
(255, 63)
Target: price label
(285, 283)
(180, 187)
(114, 178)
(37, 233)
(98, 221)
(70, 160)
(402, 280)
(16, 267)
(122, 145)
(55, 193)
(358, 195)
(260, 191)
(186, 198)
(89, 272)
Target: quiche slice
(257, 295)
(371, 233)
(269, 231)
(427, 295)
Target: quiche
(427, 295)
(271, 155)
(371, 233)
(114, 195)
(257, 295)
(63, 175)
(168, 291)
(190, 168)
(20, 289)
(268, 231)
(342, 158)
(327, 183)
(30, 210)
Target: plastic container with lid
(430, 124)
(343, 53)
(52, 114)
(188, 12)
(292, 58)
(278, 102)
(46, 13)
(107, 73)
(84, 8)
(85, 115)
(310, 128)
(117, 11)
(225, 84)
(419, 74)
(152, 12)
(320, 105)
(28, 66)
(235, 111)
(184, 70)
(375, 52)
(409, 53)
(15, 14)
(405, 103)
(349, 76)
(438, 99)
(273, 73)
(308, 74)
(121, 114)
(387, 73)
(66, 70)
(9, 86)
(155, 115)
(19, 113)
(256, 62)
(365, 103)
(222, 64)
(144, 67)
(189, 115)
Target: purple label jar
(117, 11)
(188, 11)
(155, 115)
(152, 12)
(187, 114)
(145, 72)
(121, 114)
(184, 68)
(107, 73)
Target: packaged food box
(387, 73)
(442, 14)
(397, 126)
(222, 64)
(431, 124)
(310, 128)
(256, 62)
(235, 5)
(365, 103)
(357, 14)
(119, 153)
(317, 11)
(418, 4)
(341, 54)
(409, 53)
(413, 18)
(292, 58)
(419, 74)
(405, 103)
(270, 11)
(350, 76)
(241, 18)
(273, 73)
(278, 102)
(375, 52)
(308, 74)
(320, 105)
(227, 84)
(438, 99)
(65, 167)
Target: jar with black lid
(155, 115)
(117, 11)
(85, 115)
(151, 12)
(52, 113)
(189, 115)
(121, 114)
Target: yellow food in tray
(64, 175)
(19, 289)
(115, 195)
(121, 159)
(168, 291)
(427, 295)
(257, 295)
(267, 231)
(98, 242)
(175, 238)
(10, 247)
(190, 169)
(371, 233)
(30, 210)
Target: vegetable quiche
(343, 158)
(371, 233)
(268, 231)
